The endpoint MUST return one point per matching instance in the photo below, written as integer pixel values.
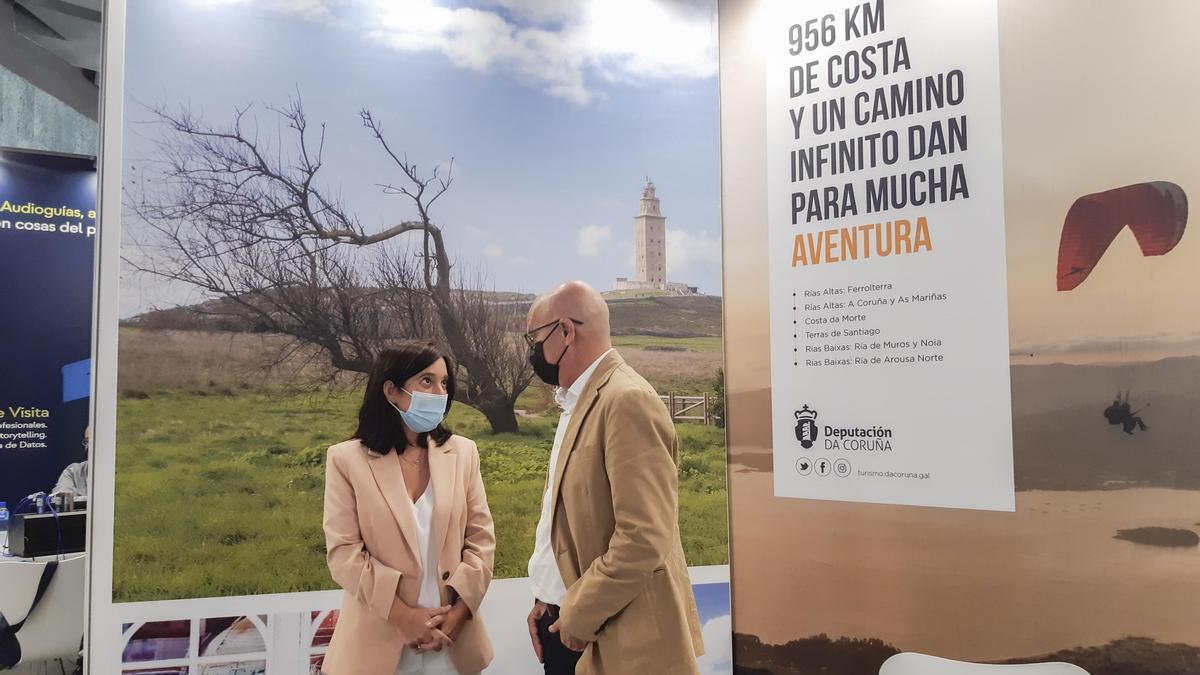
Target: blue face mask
(425, 411)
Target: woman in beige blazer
(407, 528)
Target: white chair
(920, 664)
(18, 583)
(54, 630)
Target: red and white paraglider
(1155, 212)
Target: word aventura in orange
(879, 240)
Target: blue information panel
(77, 380)
(47, 235)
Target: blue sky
(712, 602)
(554, 112)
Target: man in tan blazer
(611, 583)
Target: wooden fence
(691, 408)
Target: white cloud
(310, 9)
(539, 10)
(688, 251)
(718, 646)
(648, 39)
(563, 47)
(493, 251)
(590, 238)
(615, 40)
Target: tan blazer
(371, 539)
(616, 531)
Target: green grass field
(222, 494)
(694, 344)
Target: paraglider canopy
(1155, 212)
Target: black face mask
(547, 372)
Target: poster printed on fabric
(47, 233)
(889, 314)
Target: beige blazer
(616, 531)
(371, 539)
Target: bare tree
(240, 213)
(493, 334)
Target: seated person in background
(74, 478)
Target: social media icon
(804, 466)
(823, 467)
(842, 468)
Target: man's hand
(538, 611)
(569, 641)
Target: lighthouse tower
(650, 237)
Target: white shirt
(546, 580)
(74, 478)
(428, 663)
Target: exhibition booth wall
(962, 372)
(913, 279)
(234, 338)
(48, 224)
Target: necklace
(409, 461)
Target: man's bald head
(584, 324)
(577, 300)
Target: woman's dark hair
(379, 425)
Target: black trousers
(557, 659)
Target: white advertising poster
(889, 315)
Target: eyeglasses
(531, 336)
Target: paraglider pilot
(1120, 412)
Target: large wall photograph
(305, 183)
(1096, 566)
